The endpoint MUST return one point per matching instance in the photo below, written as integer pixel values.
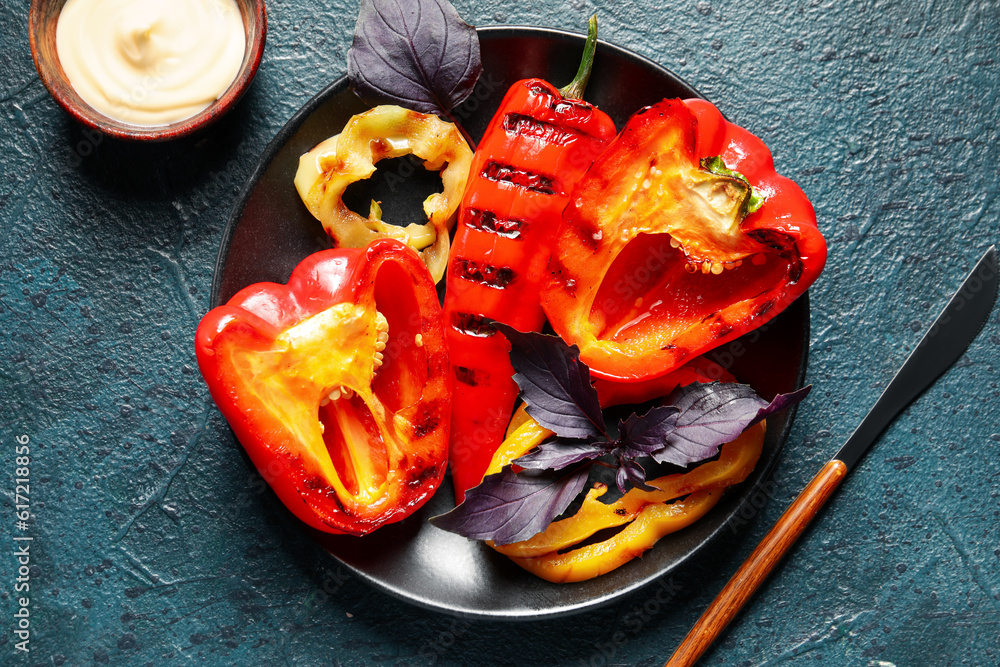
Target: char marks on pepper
(572, 110)
(521, 178)
(314, 483)
(589, 235)
(794, 269)
(426, 420)
(497, 277)
(487, 221)
(764, 308)
(466, 375)
(770, 238)
(540, 89)
(472, 324)
(559, 275)
(522, 125)
(420, 474)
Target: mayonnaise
(150, 62)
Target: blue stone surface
(154, 541)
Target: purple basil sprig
(509, 507)
(695, 421)
(647, 434)
(560, 453)
(555, 385)
(631, 472)
(417, 54)
(713, 414)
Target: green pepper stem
(579, 83)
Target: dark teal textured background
(156, 543)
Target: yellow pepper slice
(646, 515)
(387, 131)
(652, 522)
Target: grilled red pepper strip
(337, 384)
(535, 148)
(660, 259)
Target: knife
(948, 337)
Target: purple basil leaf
(558, 454)
(509, 507)
(417, 54)
(555, 384)
(648, 433)
(713, 414)
(630, 472)
(780, 402)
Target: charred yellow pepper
(678, 501)
(327, 170)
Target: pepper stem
(579, 83)
(375, 212)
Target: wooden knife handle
(760, 563)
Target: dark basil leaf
(417, 54)
(713, 414)
(557, 454)
(648, 433)
(555, 384)
(509, 507)
(630, 472)
(781, 402)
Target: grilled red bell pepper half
(537, 145)
(666, 252)
(337, 384)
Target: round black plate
(270, 231)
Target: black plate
(270, 231)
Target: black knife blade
(943, 344)
(946, 340)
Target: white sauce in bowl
(150, 62)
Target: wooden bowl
(42, 18)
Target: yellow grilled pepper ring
(386, 132)
(680, 500)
